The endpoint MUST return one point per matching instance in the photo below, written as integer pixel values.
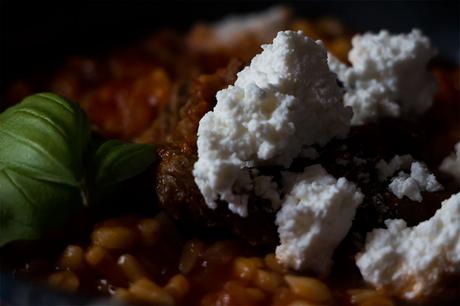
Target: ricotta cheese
(315, 216)
(451, 164)
(287, 98)
(388, 77)
(411, 261)
(386, 170)
(420, 179)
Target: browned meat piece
(175, 185)
(180, 197)
(371, 143)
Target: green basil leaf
(43, 141)
(116, 161)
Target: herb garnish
(47, 169)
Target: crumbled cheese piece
(388, 77)
(411, 262)
(451, 164)
(316, 214)
(263, 26)
(420, 179)
(426, 180)
(405, 185)
(386, 170)
(286, 99)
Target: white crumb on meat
(287, 98)
(411, 186)
(386, 170)
(388, 76)
(410, 262)
(315, 216)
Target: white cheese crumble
(451, 164)
(410, 262)
(316, 214)
(420, 179)
(287, 98)
(386, 170)
(388, 77)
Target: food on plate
(315, 216)
(260, 160)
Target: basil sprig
(44, 168)
(116, 161)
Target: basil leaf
(116, 161)
(43, 141)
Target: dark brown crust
(180, 197)
(175, 185)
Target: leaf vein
(19, 188)
(50, 97)
(36, 147)
(45, 119)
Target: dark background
(37, 35)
